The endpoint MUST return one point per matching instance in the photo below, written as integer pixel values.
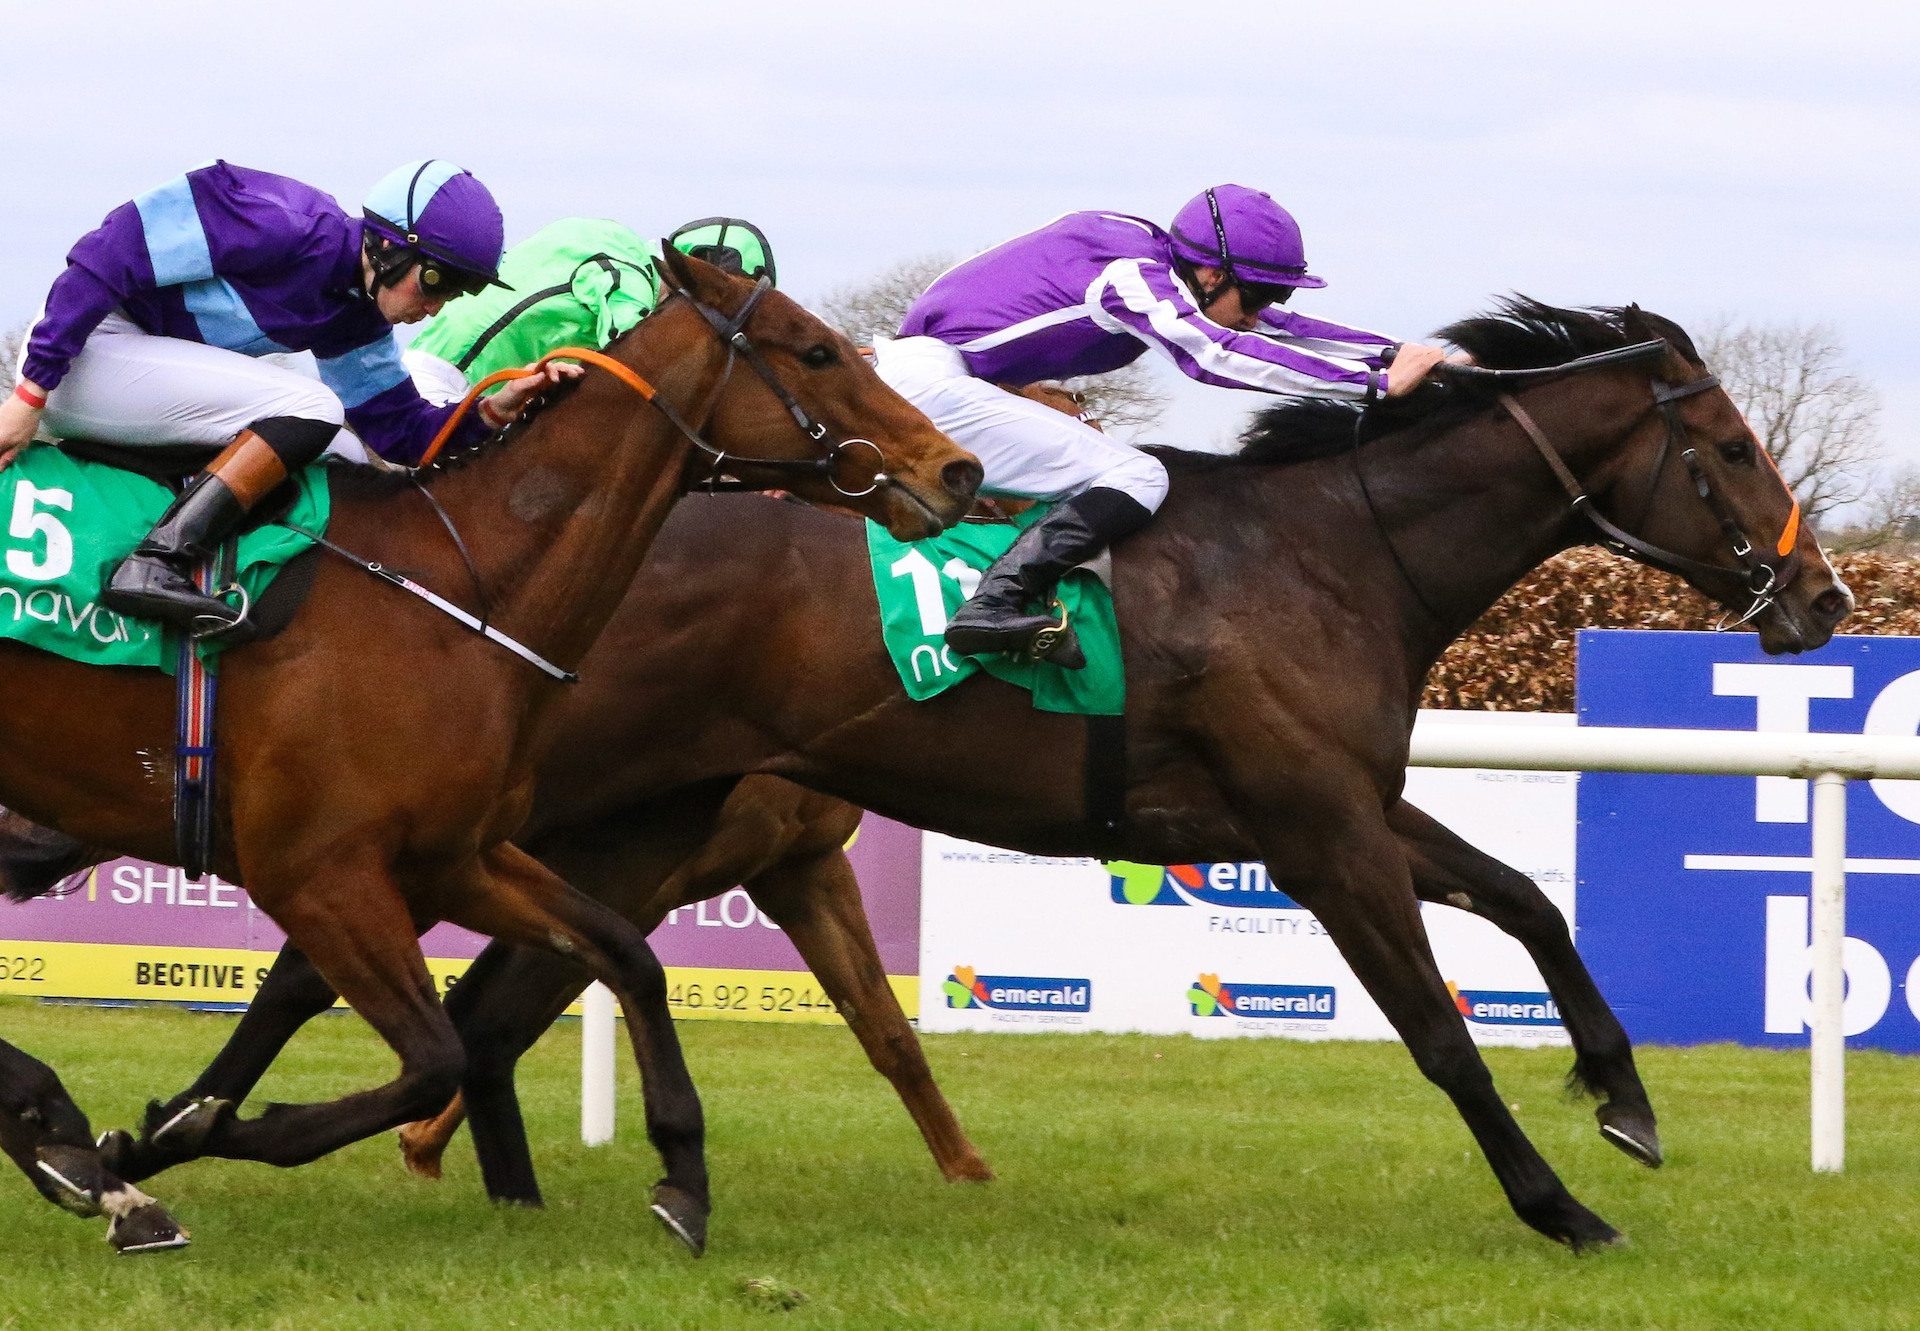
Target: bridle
(731, 331)
(732, 334)
(1760, 577)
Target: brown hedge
(1519, 656)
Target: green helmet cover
(730, 242)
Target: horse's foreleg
(44, 1133)
(516, 898)
(175, 1130)
(816, 900)
(1448, 871)
(358, 934)
(1344, 865)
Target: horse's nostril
(1831, 605)
(962, 478)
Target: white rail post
(596, 1065)
(1827, 1031)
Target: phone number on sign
(28, 970)
(748, 998)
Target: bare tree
(1888, 519)
(875, 307)
(1818, 419)
(1126, 403)
(11, 340)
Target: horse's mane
(1519, 334)
(374, 482)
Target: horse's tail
(37, 861)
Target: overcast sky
(1747, 160)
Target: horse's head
(1694, 480)
(1671, 475)
(799, 396)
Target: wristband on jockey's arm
(38, 401)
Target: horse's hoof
(1612, 1238)
(420, 1152)
(185, 1129)
(972, 1169)
(146, 1228)
(71, 1178)
(684, 1215)
(1579, 1228)
(1632, 1131)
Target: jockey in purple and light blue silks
(1087, 294)
(153, 333)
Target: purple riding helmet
(1247, 236)
(440, 217)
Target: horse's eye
(1737, 451)
(818, 357)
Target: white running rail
(1830, 761)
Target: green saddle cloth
(70, 523)
(920, 585)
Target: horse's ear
(673, 267)
(694, 277)
(1633, 322)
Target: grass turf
(1144, 1182)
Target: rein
(1761, 578)
(732, 333)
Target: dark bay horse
(376, 757)
(1278, 621)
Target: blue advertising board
(1693, 900)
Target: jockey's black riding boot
(156, 580)
(999, 616)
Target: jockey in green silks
(577, 282)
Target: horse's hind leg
(1343, 864)
(44, 1133)
(817, 902)
(504, 1002)
(1449, 871)
(516, 898)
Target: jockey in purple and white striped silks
(1086, 294)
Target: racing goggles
(443, 281)
(1256, 296)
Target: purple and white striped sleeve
(104, 268)
(1143, 298)
(1338, 339)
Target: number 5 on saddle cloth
(69, 524)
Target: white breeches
(438, 381)
(1029, 451)
(130, 387)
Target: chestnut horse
(1279, 620)
(377, 757)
